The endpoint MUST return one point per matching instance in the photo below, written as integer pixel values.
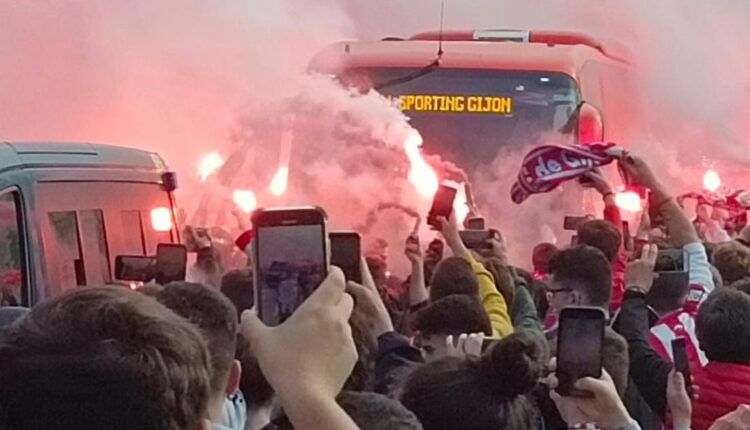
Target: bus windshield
(467, 115)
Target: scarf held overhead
(547, 166)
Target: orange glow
(711, 180)
(279, 181)
(421, 174)
(628, 201)
(161, 219)
(209, 164)
(245, 200)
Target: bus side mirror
(590, 124)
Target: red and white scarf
(547, 166)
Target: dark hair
(215, 317)
(742, 285)
(453, 315)
(585, 269)
(503, 276)
(667, 294)
(103, 358)
(484, 394)
(602, 235)
(362, 377)
(725, 315)
(238, 286)
(372, 411)
(453, 275)
(541, 255)
(733, 261)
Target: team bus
(67, 209)
(471, 93)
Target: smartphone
(671, 260)
(171, 263)
(571, 223)
(137, 268)
(579, 347)
(681, 363)
(290, 251)
(442, 205)
(346, 253)
(474, 223)
(475, 239)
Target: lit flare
(245, 200)
(421, 174)
(711, 180)
(209, 164)
(279, 181)
(628, 201)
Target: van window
(64, 226)
(94, 246)
(12, 281)
(132, 233)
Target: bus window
(64, 226)
(132, 231)
(11, 257)
(94, 246)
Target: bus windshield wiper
(410, 77)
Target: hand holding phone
(442, 206)
(681, 362)
(290, 259)
(579, 347)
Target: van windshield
(467, 115)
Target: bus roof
(561, 52)
(14, 155)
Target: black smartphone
(671, 260)
(475, 239)
(681, 363)
(571, 223)
(171, 263)
(346, 254)
(291, 259)
(442, 205)
(136, 268)
(579, 347)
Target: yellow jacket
(492, 301)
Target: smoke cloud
(187, 77)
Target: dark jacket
(395, 359)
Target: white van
(67, 209)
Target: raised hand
(640, 273)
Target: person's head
(10, 315)
(480, 394)
(581, 276)
(541, 255)
(450, 316)
(237, 285)
(103, 358)
(362, 377)
(216, 318)
(742, 285)
(602, 235)
(453, 275)
(373, 411)
(733, 261)
(503, 276)
(723, 316)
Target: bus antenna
(440, 34)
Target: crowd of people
(467, 341)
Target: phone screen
(134, 268)
(681, 363)
(579, 347)
(442, 204)
(171, 263)
(291, 264)
(346, 254)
